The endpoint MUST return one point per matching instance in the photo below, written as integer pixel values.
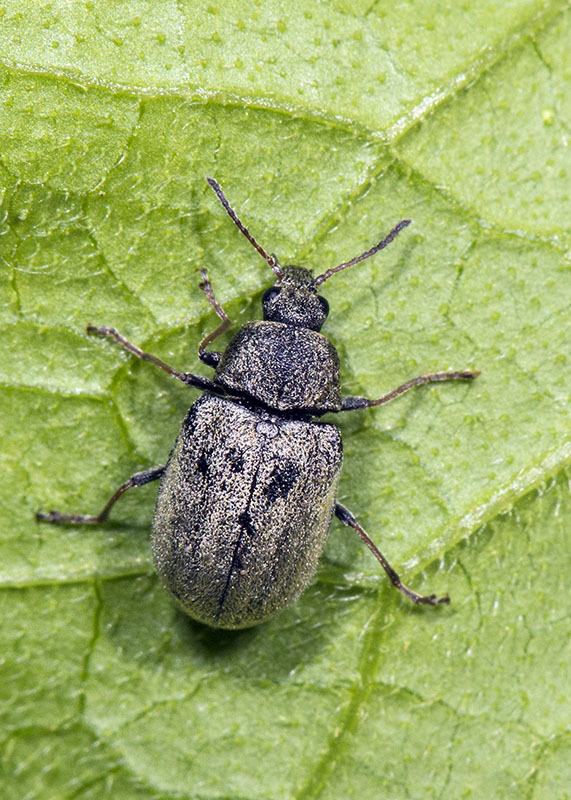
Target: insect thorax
(284, 367)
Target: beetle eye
(324, 305)
(270, 293)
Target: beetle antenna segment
(271, 259)
(380, 246)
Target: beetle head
(294, 300)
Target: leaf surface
(325, 125)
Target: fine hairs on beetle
(248, 492)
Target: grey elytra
(247, 495)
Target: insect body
(247, 495)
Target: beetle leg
(348, 519)
(186, 377)
(138, 479)
(211, 357)
(352, 403)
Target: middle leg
(138, 479)
(350, 403)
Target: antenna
(380, 246)
(272, 260)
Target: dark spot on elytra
(282, 480)
(235, 459)
(202, 464)
(189, 424)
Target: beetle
(247, 495)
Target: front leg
(347, 518)
(186, 377)
(350, 403)
(212, 357)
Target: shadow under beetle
(247, 495)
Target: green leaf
(325, 124)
